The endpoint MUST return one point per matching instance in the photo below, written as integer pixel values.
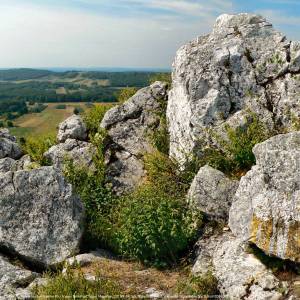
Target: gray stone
(81, 153)
(41, 217)
(240, 274)
(13, 278)
(72, 128)
(129, 126)
(243, 65)
(211, 192)
(8, 145)
(266, 207)
(9, 164)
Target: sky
(119, 33)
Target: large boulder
(72, 128)
(129, 126)
(239, 273)
(243, 65)
(266, 207)
(211, 192)
(81, 153)
(41, 217)
(13, 278)
(9, 146)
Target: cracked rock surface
(13, 279)
(40, 216)
(129, 126)
(240, 274)
(266, 207)
(243, 65)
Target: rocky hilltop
(243, 73)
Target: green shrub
(36, 146)
(234, 155)
(154, 227)
(164, 77)
(94, 116)
(61, 106)
(72, 285)
(205, 285)
(95, 194)
(126, 93)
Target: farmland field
(45, 122)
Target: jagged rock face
(266, 207)
(128, 127)
(243, 65)
(41, 217)
(9, 146)
(240, 274)
(211, 192)
(9, 164)
(81, 153)
(72, 128)
(12, 279)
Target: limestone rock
(12, 278)
(41, 217)
(9, 164)
(128, 126)
(8, 145)
(81, 153)
(243, 65)
(240, 274)
(266, 207)
(72, 128)
(211, 192)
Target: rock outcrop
(240, 274)
(72, 128)
(9, 164)
(72, 137)
(243, 65)
(266, 208)
(13, 279)
(40, 216)
(81, 153)
(129, 126)
(9, 146)
(212, 192)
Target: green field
(45, 122)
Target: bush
(164, 77)
(94, 116)
(126, 93)
(95, 194)
(154, 227)
(72, 285)
(61, 106)
(234, 155)
(36, 146)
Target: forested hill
(76, 86)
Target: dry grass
(45, 122)
(134, 278)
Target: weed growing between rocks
(125, 94)
(233, 155)
(36, 147)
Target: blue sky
(119, 33)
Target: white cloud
(37, 36)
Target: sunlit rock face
(266, 207)
(243, 66)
